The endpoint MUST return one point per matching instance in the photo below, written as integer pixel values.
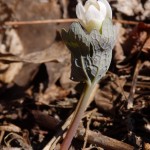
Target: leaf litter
(37, 96)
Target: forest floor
(37, 95)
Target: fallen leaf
(108, 94)
(45, 120)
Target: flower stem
(78, 114)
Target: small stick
(89, 119)
(69, 20)
(105, 142)
(135, 76)
(133, 87)
(40, 22)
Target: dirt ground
(37, 95)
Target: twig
(89, 119)
(135, 76)
(33, 22)
(103, 141)
(10, 128)
(2, 133)
(133, 87)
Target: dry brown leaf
(146, 146)
(54, 53)
(53, 93)
(65, 80)
(134, 47)
(38, 40)
(10, 43)
(45, 120)
(106, 96)
(137, 8)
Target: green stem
(86, 74)
(79, 112)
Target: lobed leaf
(90, 53)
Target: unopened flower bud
(93, 13)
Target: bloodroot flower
(91, 51)
(93, 13)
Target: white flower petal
(92, 13)
(83, 23)
(80, 11)
(93, 24)
(103, 10)
(109, 10)
(89, 3)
